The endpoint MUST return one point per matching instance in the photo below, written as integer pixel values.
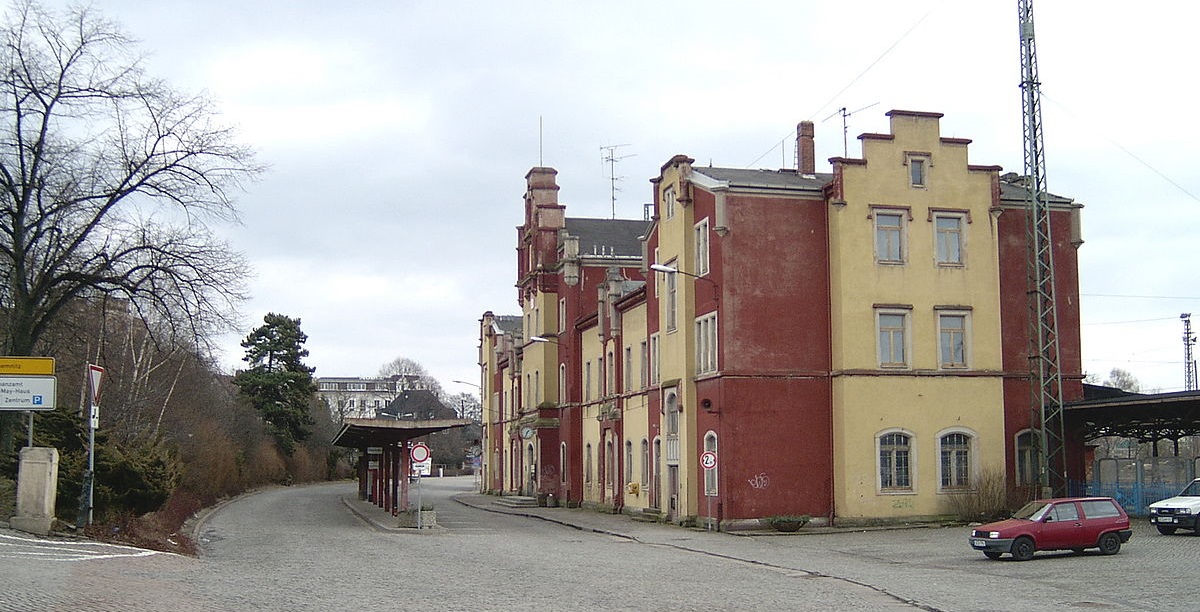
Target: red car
(1056, 524)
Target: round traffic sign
(419, 453)
(708, 460)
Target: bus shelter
(384, 462)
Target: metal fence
(1137, 483)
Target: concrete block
(37, 486)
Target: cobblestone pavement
(319, 548)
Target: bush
(988, 501)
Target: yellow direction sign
(27, 366)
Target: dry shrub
(988, 501)
(264, 464)
(211, 460)
(8, 498)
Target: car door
(1062, 527)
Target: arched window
(563, 466)
(628, 461)
(1029, 462)
(645, 463)
(895, 469)
(710, 475)
(955, 465)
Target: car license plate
(1165, 519)
(978, 543)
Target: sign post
(708, 461)
(419, 453)
(95, 374)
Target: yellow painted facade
(634, 416)
(676, 348)
(919, 395)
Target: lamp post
(483, 430)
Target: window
(956, 461)
(562, 314)
(357, 386)
(948, 239)
(610, 374)
(537, 389)
(562, 383)
(706, 344)
(1028, 460)
(668, 202)
(894, 470)
(328, 386)
(601, 378)
(893, 339)
(916, 170)
(610, 464)
(587, 381)
(349, 403)
(1064, 512)
(655, 361)
(628, 461)
(645, 462)
(671, 297)
(952, 340)
(627, 370)
(702, 247)
(889, 237)
(645, 369)
(562, 462)
(710, 475)
(1099, 509)
(587, 465)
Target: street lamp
(481, 472)
(542, 339)
(657, 267)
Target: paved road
(303, 548)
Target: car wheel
(1110, 543)
(991, 554)
(1023, 548)
(1166, 530)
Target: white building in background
(363, 398)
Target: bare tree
(109, 180)
(413, 371)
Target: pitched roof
(608, 237)
(764, 179)
(509, 324)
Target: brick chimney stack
(806, 162)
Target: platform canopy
(1146, 417)
(362, 433)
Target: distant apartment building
(363, 398)
(850, 345)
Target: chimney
(806, 162)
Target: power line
(1141, 297)
(1133, 321)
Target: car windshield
(1031, 511)
(1192, 490)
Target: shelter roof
(361, 433)
(1145, 417)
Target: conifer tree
(277, 383)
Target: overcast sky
(399, 133)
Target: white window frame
(910, 460)
(562, 383)
(970, 461)
(563, 457)
(628, 461)
(706, 343)
(669, 202)
(1026, 459)
(895, 234)
(702, 250)
(655, 359)
(905, 340)
(956, 236)
(945, 334)
(627, 371)
(644, 370)
(562, 315)
(671, 298)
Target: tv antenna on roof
(845, 125)
(609, 156)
